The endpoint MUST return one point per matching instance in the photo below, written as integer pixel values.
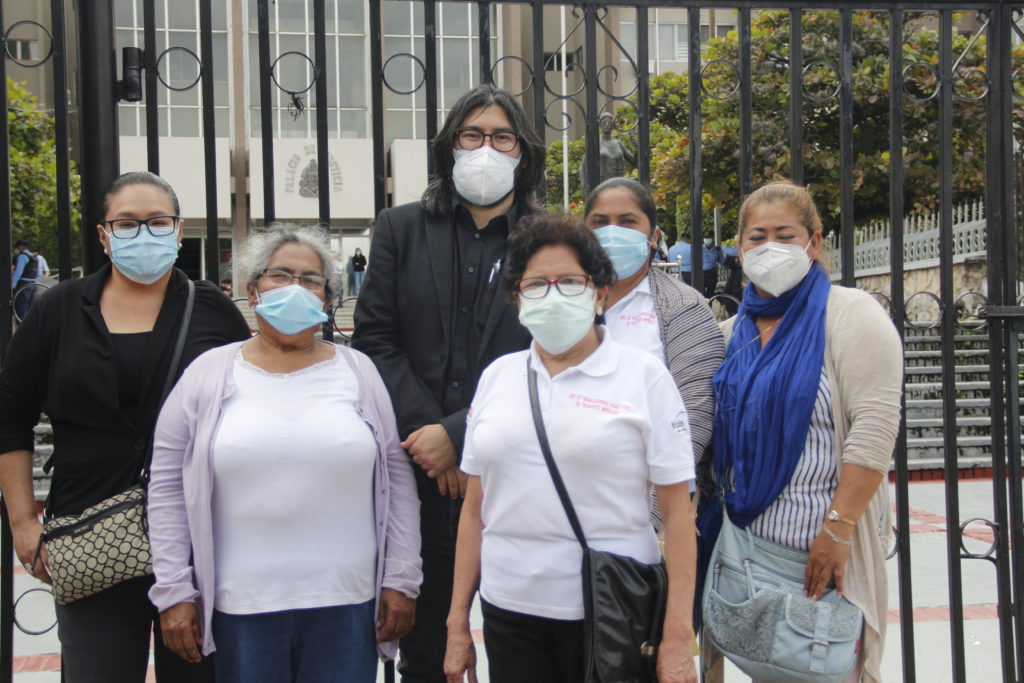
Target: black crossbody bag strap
(172, 372)
(545, 447)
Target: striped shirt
(795, 518)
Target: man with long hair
(431, 316)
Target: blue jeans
(319, 645)
(359, 279)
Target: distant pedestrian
(734, 278)
(25, 270)
(44, 267)
(359, 268)
(227, 287)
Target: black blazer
(405, 312)
(61, 362)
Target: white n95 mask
(484, 176)
(776, 268)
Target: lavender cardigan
(181, 488)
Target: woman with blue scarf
(808, 409)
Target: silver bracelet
(835, 538)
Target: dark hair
(640, 193)
(139, 178)
(21, 243)
(539, 230)
(437, 198)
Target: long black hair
(437, 198)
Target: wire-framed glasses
(129, 228)
(282, 278)
(538, 287)
(501, 140)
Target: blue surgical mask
(290, 309)
(628, 249)
(144, 258)
(558, 322)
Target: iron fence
(996, 86)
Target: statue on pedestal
(614, 155)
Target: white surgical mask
(558, 322)
(484, 176)
(775, 267)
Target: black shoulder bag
(108, 543)
(624, 599)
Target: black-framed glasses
(501, 140)
(129, 228)
(538, 287)
(282, 278)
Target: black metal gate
(821, 72)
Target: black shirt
(61, 361)
(478, 261)
(130, 355)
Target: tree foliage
(670, 134)
(33, 173)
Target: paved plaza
(36, 660)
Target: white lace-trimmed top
(795, 518)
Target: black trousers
(523, 647)
(422, 651)
(105, 639)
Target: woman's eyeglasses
(129, 228)
(282, 278)
(538, 287)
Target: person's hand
(827, 559)
(460, 656)
(179, 626)
(452, 482)
(431, 449)
(26, 541)
(397, 615)
(675, 661)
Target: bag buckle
(648, 650)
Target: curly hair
(261, 246)
(539, 230)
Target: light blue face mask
(628, 249)
(558, 322)
(291, 309)
(144, 258)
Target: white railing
(920, 242)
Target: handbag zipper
(74, 528)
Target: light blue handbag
(756, 614)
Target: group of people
(315, 508)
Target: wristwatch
(834, 516)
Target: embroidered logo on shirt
(639, 319)
(680, 424)
(599, 404)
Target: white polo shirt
(616, 424)
(633, 320)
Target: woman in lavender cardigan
(283, 513)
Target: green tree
(33, 173)
(554, 177)
(670, 135)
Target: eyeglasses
(282, 278)
(129, 228)
(538, 287)
(501, 140)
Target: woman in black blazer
(94, 355)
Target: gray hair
(261, 246)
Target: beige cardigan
(864, 366)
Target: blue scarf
(765, 398)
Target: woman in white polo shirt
(616, 424)
(655, 312)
